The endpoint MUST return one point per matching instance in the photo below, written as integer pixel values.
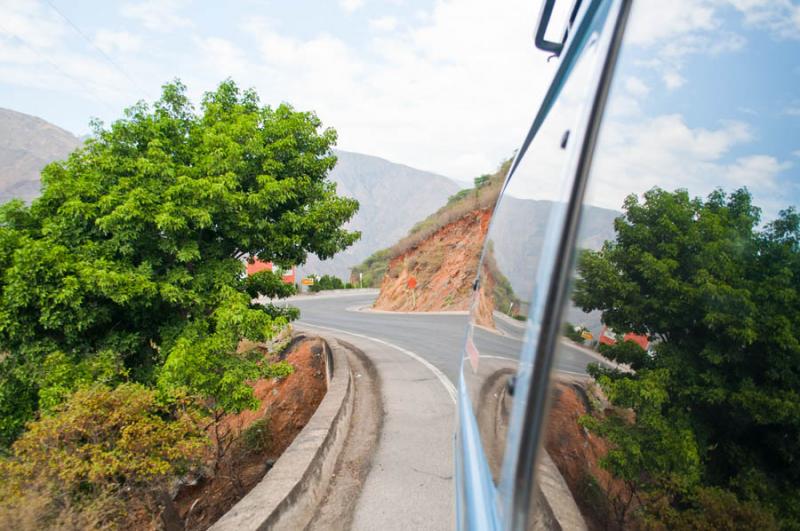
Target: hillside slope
(440, 255)
(392, 197)
(27, 144)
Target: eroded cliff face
(444, 266)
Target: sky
(441, 85)
(706, 94)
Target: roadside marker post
(411, 284)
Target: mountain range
(392, 198)
(27, 144)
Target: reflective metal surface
(495, 390)
(698, 154)
(694, 263)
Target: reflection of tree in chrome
(715, 434)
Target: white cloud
(225, 57)
(792, 110)
(157, 15)
(665, 151)
(780, 17)
(441, 93)
(29, 22)
(383, 23)
(117, 41)
(636, 87)
(755, 171)
(672, 31)
(351, 5)
(36, 52)
(673, 80)
(657, 21)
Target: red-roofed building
(607, 337)
(257, 265)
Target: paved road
(410, 483)
(439, 338)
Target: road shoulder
(410, 482)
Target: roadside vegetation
(329, 282)
(573, 333)
(704, 430)
(124, 299)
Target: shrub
(256, 437)
(280, 369)
(100, 453)
(326, 282)
(569, 331)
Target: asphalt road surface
(439, 338)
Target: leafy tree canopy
(720, 296)
(130, 264)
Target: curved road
(410, 483)
(438, 338)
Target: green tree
(326, 282)
(720, 297)
(135, 249)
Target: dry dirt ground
(287, 405)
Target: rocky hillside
(441, 254)
(27, 144)
(444, 265)
(440, 257)
(392, 197)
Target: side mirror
(544, 22)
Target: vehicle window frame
(481, 503)
(530, 409)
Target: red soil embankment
(444, 266)
(287, 404)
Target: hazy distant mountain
(27, 144)
(517, 252)
(393, 198)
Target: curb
(326, 294)
(288, 495)
(561, 508)
(596, 355)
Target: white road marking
(444, 380)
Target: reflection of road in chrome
(439, 338)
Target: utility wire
(98, 49)
(55, 67)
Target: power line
(98, 49)
(44, 58)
